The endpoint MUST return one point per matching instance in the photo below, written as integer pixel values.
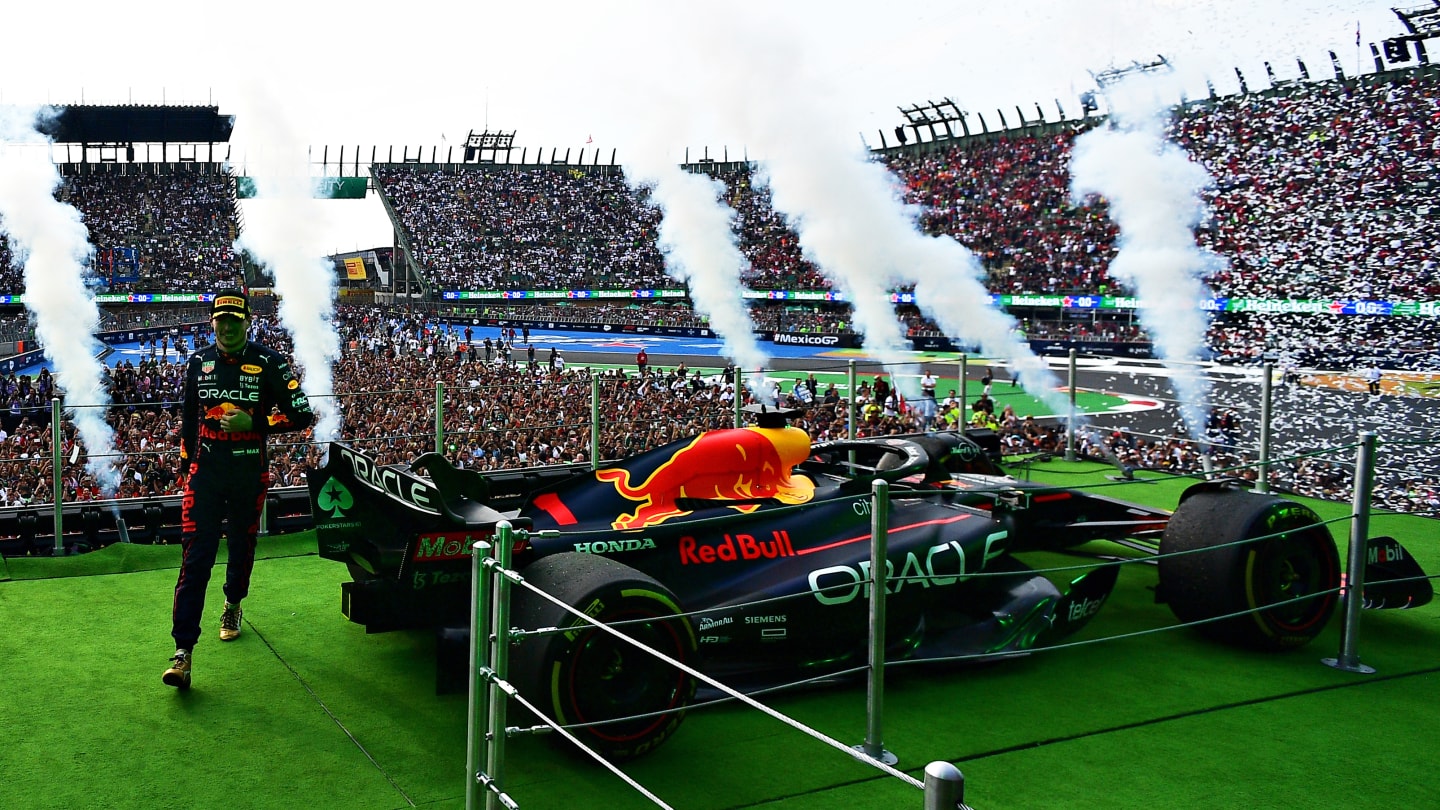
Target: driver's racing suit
(228, 472)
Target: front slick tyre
(587, 675)
(1295, 568)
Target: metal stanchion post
(850, 410)
(594, 420)
(499, 660)
(1070, 426)
(736, 402)
(960, 394)
(440, 417)
(874, 745)
(1262, 480)
(944, 786)
(476, 746)
(56, 480)
(1349, 659)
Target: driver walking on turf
(236, 394)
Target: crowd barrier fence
(491, 635)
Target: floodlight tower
(1423, 22)
(1107, 79)
(929, 116)
(487, 146)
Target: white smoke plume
(849, 210)
(844, 210)
(697, 238)
(950, 290)
(1153, 190)
(284, 241)
(52, 243)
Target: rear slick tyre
(587, 675)
(1296, 569)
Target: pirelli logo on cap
(230, 304)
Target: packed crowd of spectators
(1323, 190)
(182, 228)
(1007, 200)
(544, 227)
(507, 406)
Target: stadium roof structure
(134, 123)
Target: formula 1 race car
(745, 553)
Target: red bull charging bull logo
(221, 411)
(728, 465)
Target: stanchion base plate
(1356, 667)
(884, 756)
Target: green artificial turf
(306, 709)
(121, 558)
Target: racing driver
(236, 393)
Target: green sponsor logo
(334, 499)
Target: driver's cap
(230, 302)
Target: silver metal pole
(874, 745)
(56, 482)
(440, 417)
(594, 420)
(960, 392)
(1262, 481)
(735, 402)
(944, 786)
(1070, 427)
(500, 661)
(476, 747)
(1349, 659)
(850, 410)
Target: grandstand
(1321, 210)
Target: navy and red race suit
(228, 472)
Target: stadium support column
(1070, 422)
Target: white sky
(629, 72)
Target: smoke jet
(697, 237)
(49, 239)
(1153, 190)
(850, 213)
(304, 279)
